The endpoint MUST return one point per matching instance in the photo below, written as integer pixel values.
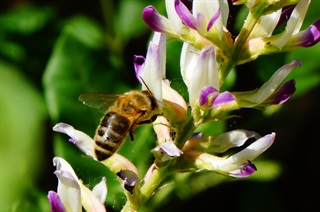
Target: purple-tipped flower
(157, 22)
(268, 93)
(83, 141)
(71, 194)
(152, 68)
(308, 37)
(199, 70)
(236, 165)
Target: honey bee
(128, 111)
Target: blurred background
(51, 51)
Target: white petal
(188, 61)
(68, 186)
(204, 74)
(90, 202)
(154, 68)
(169, 148)
(266, 25)
(100, 190)
(173, 16)
(253, 150)
(80, 139)
(235, 138)
(62, 165)
(208, 8)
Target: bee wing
(101, 101)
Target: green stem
(158, 175)
(251, 20)
(133, 201)
(185, 133)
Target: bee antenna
(151, 91)
(145, 84)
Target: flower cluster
(208, 54)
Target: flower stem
(159, 174)
(185, 133)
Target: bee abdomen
(110, 134)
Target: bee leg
(152, 119)
(131, 134)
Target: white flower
(72, 194)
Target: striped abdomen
(110, 134)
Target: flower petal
(166, 151)
(282, 94)
(235, 138)
(55, 202)
(253, 150)
(205, 73)
(185, 15)
(129, 178)
(173, 16)
(222, 98)
(220, 143)
(245, 170)
(266, 25)
(294, 23)
(138, 63)
(310, 36)
(213, 20)
(90, 201)
(157, 22)
(68, 186)
(258, 97)
(100, 190)
(154, 68)
(84, 142)
(216, 14)
(205, 93)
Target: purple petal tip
(245, 171)
(55, 202)
(205, 93)
(311, 36)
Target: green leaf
(25, 19)
(129, 22)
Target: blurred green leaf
(307, 76)
(18, 23)
(22, 127)
(78, 65)
(25, 19)
(128, 21)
